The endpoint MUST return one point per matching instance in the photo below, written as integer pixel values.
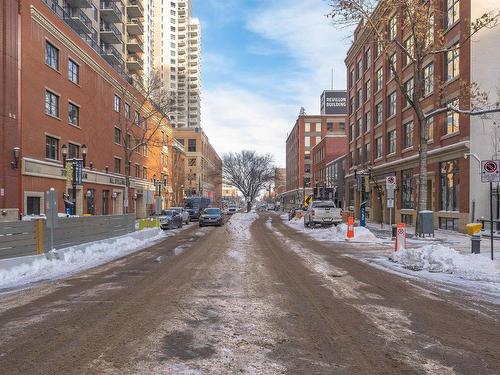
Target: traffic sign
(308, 200)
(400, 237)
(390, 203)
(390, 182)
(490, 170)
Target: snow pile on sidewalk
(333, 234)
(62, 262)
(442, 259)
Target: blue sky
(261, 61)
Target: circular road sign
(490, 166)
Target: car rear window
(323, 205)
(212, 211)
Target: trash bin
(475, 243)
(425, 223)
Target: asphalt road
(249, 297)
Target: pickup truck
(322, 212)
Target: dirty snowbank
(63, 262)
(333, 234)
(437, 258)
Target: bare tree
(425, 39)
(146, 109)
(249, 172)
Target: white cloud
(238, 117)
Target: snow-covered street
(259, 295)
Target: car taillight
(312, 212)
(341, 212)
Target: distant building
(307, 132)
(203, 165)
(279, 180)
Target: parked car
(170, 220)
(184, 214)
(232, 210)
(271, 207)
(211, 216)
(322, 212)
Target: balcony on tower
(78, 20)
(79, 3)
(135, 8)
(135, 45)
(110, 11)
(110, 33)
(134, 63)
(134, 26)
(111, 54)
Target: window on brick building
(380, 80)
(191, 145)
(407, 196)
(452, 12)
(118, 136)
(359, 127)
(144, 173)
(73, 151)
(391, 142)
(379, 113)
(137, 171)
(118, 165)
(379, 147)
(51, 148)
(409, 87)
(408, 134)
(392, 28)
(73, 71)
(368, 121)
(51, 103)
(450, 183)
(368, 58)
(117, 103)
(329, 127)
(452, 119)
(360, 155)
(368, 89)
(409, 45)
(391, 104)
(368, 155)
(453, 62)
(51, 56)
(359, 98)
(73, 114)
(360, 69)
(127, 111)
(429, 79)
(429, 128)
(392, 64)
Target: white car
(184, 214)
(322, 212)
(232, 210)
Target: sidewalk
(458, 241)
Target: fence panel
(79, 230)
(17, 239)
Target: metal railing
(135, 21)
(107, 4)
(109, 27)
(136, 3)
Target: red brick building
(382, 136)
(331, 147)
(307, 132)
(64, 96)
